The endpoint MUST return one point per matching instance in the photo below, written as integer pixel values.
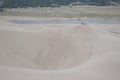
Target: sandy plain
(59, 51)
(84, 51)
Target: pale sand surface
(75, 51)
(51, 46)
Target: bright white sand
(27, 53)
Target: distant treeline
(53, 3)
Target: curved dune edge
(102, 65)
(45, 47)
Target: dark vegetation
(53, 3)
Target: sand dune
(59, 51)
(49, 48)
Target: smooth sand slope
(72, 51)
(47, 47)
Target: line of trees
(51, 3)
